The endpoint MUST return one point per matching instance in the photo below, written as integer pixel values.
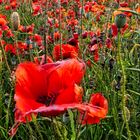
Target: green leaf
(131, 11)
(133, 69)
(73, 137)
(134, 92)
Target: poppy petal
(69, 95)
(67, 73)
(97, 100)
(30, 80)
(90, 109)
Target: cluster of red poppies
(52, 88)
(68, 18)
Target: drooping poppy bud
(120, 20)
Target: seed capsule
(120, 20)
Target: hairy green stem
(123, 86)
(38, 129)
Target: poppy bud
(84, 35)
(73, 42)
(93, 41)
(15, 20)
(120, 20)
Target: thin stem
(5, 57)
(81, 18)
(123, 87)
(16, 45)
(45, 34)
(59, 6)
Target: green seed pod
(15, 20)
(120, 20)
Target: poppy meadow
(69, 70)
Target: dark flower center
(47, 100)
(97, 104)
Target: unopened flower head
(15, 20)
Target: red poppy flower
(1, 33)
(28, 29)
(36, 9)
(45, 85)
(21, 46)
(96, 56)
(138, 9)
(114, 30)
(124, 28)
(97, 100)
(7, 7)
(85, 35)
(2, 16)
(2, 21)
(108, 43)
(52, 87)
(124, 4)
(56, 35)
(10, 48)
(38, 39)
(68, 51)
(13, 4)
(94, 48)
(9, 34)
(74, 42)
(2, 42)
